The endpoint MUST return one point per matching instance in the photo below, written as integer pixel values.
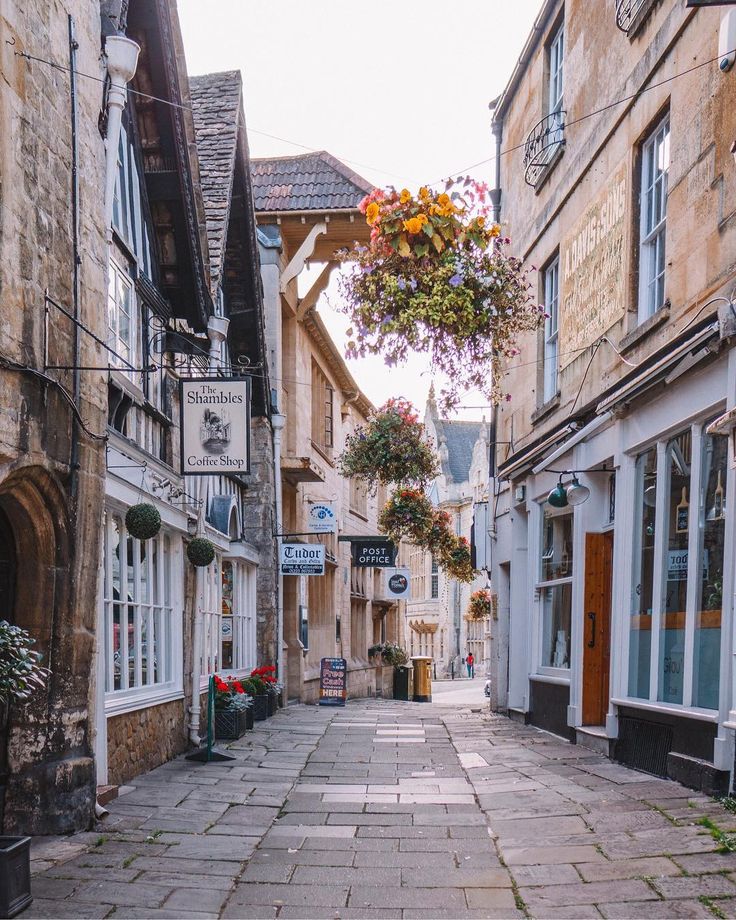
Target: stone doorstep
(106, 794)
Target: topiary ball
(143, 521)
(200, 552)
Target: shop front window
(640, 632)
(677, 524)
(712, 525)
(139, 632)
(675, 634)
(555, 588)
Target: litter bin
(422, 679)
(402, 682)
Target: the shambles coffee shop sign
(215, 425)
(302, 559)
(333, 688)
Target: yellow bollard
(422, 679)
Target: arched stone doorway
(45, 755)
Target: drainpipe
(217, 327)
(278, 421)
(121, 55)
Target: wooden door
(597, 626)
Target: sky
(397, 89)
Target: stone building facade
(307, 209)
(616, 179)
(201, 287)
(433, 620)
(52, 422)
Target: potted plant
(267, 674)
(390, 448)
(258, 689)
(436, 278)
(21, 674)
(233, 709)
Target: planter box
(15, 875)
(260, 707)
(230, 723)
(273, 701)
(281, 699)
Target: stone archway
(47, 755)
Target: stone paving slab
(333, 814)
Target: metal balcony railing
(545, 141)
(627, 11)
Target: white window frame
(127, 349)
(556, 53)
(162, 612)
(550, 365)
(655, 162)
(539, 588)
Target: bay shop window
(142, 620)
(678, 566)
(228, 617)
(554, 589)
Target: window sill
(119, 702)
(638, 21)
(637, 335)
(549, 169)
(546, 408)
(702, 715)
(323, 452)
(553, 678)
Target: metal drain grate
(643, 745)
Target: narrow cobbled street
(403, 810)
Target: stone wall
(51, 498)
(141, 740)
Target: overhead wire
(454, 174)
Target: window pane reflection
(640, 639)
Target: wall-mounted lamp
(574, 493)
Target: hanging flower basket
(408, 513)
(436, 278)
(480, 605)
(200, 552)
(391, 448)
(455, 559)
(142, 521)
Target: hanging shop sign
(215, 425)
(373, 553)
(302, 559)
(321, 517)
(333, 690)
(398, 586)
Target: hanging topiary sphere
(143, 521)
(200, 552)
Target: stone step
(594, 738)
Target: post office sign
(373, 553)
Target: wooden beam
(310, 298)
(301, 255)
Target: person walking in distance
(470, 662)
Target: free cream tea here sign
(593, 269)
(215, 425)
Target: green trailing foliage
(21, 672)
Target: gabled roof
(308, 182)
(216, 103)
(460, 439)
